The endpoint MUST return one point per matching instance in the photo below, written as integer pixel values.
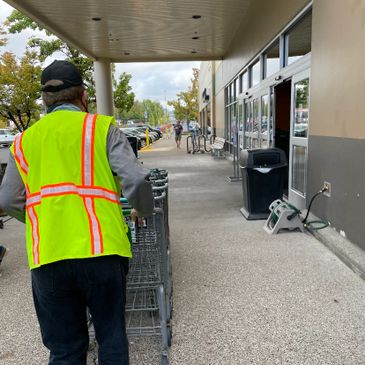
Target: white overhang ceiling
(141, 30)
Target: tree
(146, 111)
(123, 95)
(153, 112)
(17, 22)
(20, 89)
(135, 113)
(3, 40)
(186, 107)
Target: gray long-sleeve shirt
(123, 163)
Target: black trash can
(263, 172)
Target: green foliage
(3, 41)
(123, 95)
(154, 112)
(20, 89)
(186, 107)
(146, 111)
(17, 22)
(136, 112)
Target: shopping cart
(149, 283)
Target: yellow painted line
(145, 148)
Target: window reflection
(244, 81)
(264, 120)
(301, 110)
(299, 39)
(248, 124)
(272, 59)
(255, 125)
(255, 73)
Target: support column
(103, 86)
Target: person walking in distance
(63, 180)
(178, 128)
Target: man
(178, 128)
(60, 180)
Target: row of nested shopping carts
(149, 303)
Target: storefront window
(301, 111)
(256, 124)
(272, 59)
(243, 82)
(299, 39)
(264, 120)
(255, 73)
(248, 124)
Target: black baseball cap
(60, 75)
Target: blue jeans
(63, 290)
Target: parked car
(136, 133)
(6, 138)
(153, 129)
(151, 133)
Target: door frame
(296, 197)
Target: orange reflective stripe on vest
(87, 158)
(19, 154)
(70, 188)
(35, 232)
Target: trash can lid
(262, 157)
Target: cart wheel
(164, 360)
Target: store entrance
(282, 122)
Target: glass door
(258, 117)
(264, 116)
(256, 129)
(240, 125)
(299, 139)
(247, 128)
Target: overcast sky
(156, 81)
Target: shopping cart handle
(126, 212)
(161, 181)
(160, 197)
(159, 188)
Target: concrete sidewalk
(240, 295)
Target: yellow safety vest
(72, 201)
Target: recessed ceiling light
(126, 53)
(96, 19)
(193, 51)
(196, 16)
(195, 37)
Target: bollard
(147, 138)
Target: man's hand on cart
(134, 215)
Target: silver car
(6, 138)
